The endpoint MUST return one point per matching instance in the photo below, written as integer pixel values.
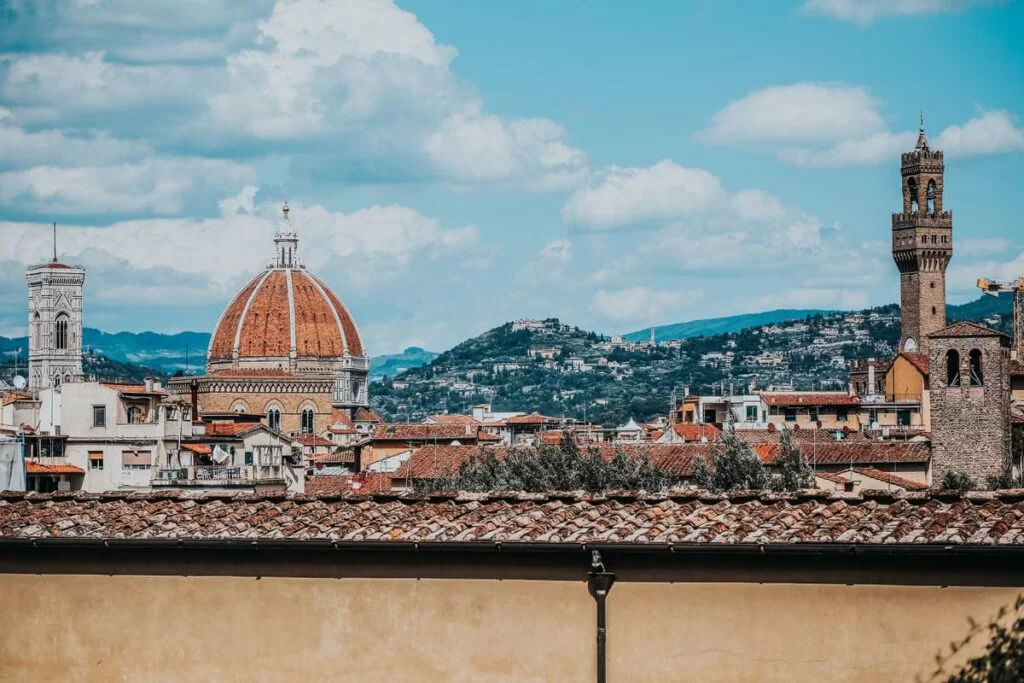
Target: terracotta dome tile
(223, 340)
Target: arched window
(274, 419)
(931, 196)
(912, 191)
(134, 415)
(61, 329)
(977, 379)
(307, 420)
(952, 368)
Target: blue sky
(453, 165)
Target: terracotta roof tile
(14, 396)
(312, 440)
(198, 448)
(423, 432)
(367, 415)
(454, 419)
(32, 467)
(531, 419)
(229, 428)
(918, 360)
(890, 478)
(695, 432)
(678, 518)
(131, 389)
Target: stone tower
(969, 389)
(54, 323)
(922, 245)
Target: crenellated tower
(922, 245)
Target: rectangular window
(248, 457)
(136, 460)
(903, 418)
(99, 416)
(790, 414)
(95, 460)
(842, 414)
(813, 412)
(873, 415)
(751, 413)
(710, 416)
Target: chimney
(157, 384)
(871, 376)
(194, 388)
(149, 385)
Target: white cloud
(991, 132)
(640, 303)
(558, 251)
(865, 11)
(963, 277)
(359, 84)
(23, 149)
(623, 196)
(155, 185)
(797, 112)
(377, 244)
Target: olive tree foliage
(562, 467)
(735, 465)
(957, 481)
(1002, 660)
(794, 472)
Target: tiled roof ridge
(679, 495)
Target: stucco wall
(166, 628)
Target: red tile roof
(966, 329)
(829, 476)
(482, 436)
(531, 419)
(694, 432)
(37, 468)
(199, 448)
(367, 415)
(423, 432)
(365, 483)
(343, 457)
(341, 418)
(229, 428)
(14, 396)
(918, 360)
(313, 440)
(890, 478)
(809, 398)
(132, 389)
(679, 518)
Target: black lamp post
(600, 584)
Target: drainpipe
(194, 389)
(600, 584)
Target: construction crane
(993, 288)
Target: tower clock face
(910, 345)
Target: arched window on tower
(931, 196)
(274, 419)
(307, 420)
(912, 191)
(952, 368)
(977, 379)
(61, 332)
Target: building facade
(286, 348)
(54, 324)
(922, 245)
(969, 386)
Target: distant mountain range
(979, 309)
(186, 351)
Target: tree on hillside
(542, 468)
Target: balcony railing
(212, 474)
(206, 472)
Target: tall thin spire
(922, 140)
(55, 241)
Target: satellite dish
(19, 382)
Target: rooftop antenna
(55, 241)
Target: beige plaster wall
(139, 628)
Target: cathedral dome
(285, 318)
